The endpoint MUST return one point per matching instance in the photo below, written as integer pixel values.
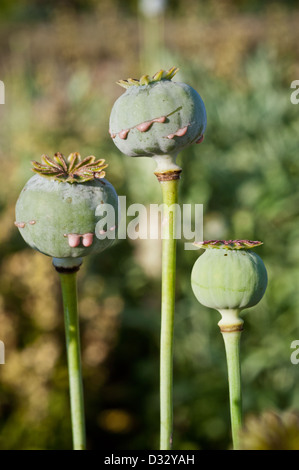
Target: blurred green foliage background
(59, 61)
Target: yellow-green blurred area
(59, 62)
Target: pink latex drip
(74, 239)
(200, 139)
(142, 127)
(87, 239)
(123, 134)
(102, 232)
(20, 224)
(178, 133)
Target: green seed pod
(228, 276)
(57, 211)
(156, 116)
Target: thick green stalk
(232, 348)
(69, 293)
(170, 196)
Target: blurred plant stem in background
(152, 35)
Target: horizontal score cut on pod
(157, 117)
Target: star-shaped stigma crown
(71, 169)
(228, 244)
(146, 79)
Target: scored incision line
(144, 126)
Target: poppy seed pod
(156, 116)
(228, 276)
(57, 210)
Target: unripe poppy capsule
(228, 276)
(157, 117)
(57, 210)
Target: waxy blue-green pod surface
(156, 116)
(58, 213)
(228, 275)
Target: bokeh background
(59, 61)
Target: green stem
(69, 294)
(170, 197)
(232, 348)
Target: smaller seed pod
(229, 277)
(157, 117)
(57, 211)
